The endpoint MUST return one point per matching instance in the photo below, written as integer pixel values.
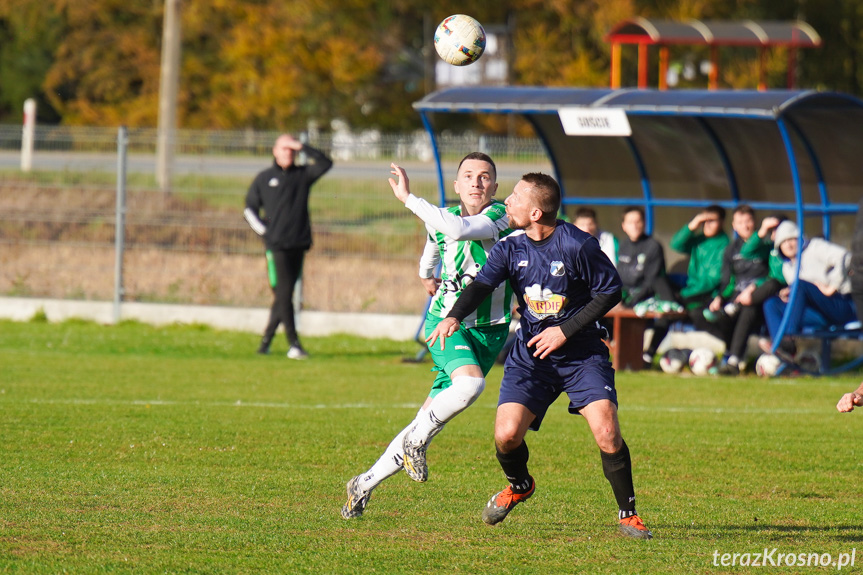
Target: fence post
(120, 220)
(28, 136)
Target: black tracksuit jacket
(283, 195)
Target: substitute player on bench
(564, 284)
(460, 238)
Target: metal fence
(191, 244)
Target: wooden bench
(627, 344)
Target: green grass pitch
(179, 450)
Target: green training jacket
(705, 260)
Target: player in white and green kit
(459, 238)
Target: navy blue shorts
(583, 373)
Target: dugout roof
(779, 150)
(734, 33)
(644, 32)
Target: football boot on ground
(357, 500)
(786, 350)
(501, 503)
(414, 460)
(634, 527)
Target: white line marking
(277, 405)
(238, 403)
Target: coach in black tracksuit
(282, 192)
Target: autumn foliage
(265, 64)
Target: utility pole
(168, 88)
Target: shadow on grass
(773, 531)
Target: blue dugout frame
(821, 125)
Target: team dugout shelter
(713, 34)
(790, 152)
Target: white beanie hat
(785, 231)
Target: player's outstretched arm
(851, 400)
(401, 185)
(459, 228)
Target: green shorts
(474, 346)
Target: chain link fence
(191, 245)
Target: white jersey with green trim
(461, 260)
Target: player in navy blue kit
(564, 284)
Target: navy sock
(514, 465)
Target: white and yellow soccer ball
(701, 360)
(459, 40)
(767, 365)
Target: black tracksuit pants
(289, 266)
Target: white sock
(446, 405)
(390, 462)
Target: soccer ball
(672, 361)
(767, 365)
(459, 40)
(701, 360)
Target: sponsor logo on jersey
(556, 268)
(465, 347)
(543, 303)
(459, 282)
(522, 264)
(273, 182)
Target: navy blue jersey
(553, 279)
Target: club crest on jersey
(556, 268)
(273, 182)
(542, 302)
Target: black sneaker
(729, 369)
(264, 348)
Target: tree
(268, 64)
(106, 68)
(29, 34)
